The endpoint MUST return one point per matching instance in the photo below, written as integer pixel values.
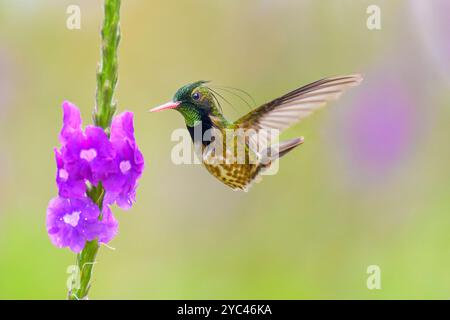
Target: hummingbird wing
(286, 110)
(278, 114)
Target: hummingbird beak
(165, 106)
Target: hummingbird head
(194, 101)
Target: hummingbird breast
(225, 164)
(237, 175)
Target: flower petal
(122, 127)
(109, 224)
(71, 121)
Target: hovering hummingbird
(201, 110)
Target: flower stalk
(105, 108)
(86, 258)
(107, 74)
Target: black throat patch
(204, 128)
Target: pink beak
(165, 106)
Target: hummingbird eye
(196, 96)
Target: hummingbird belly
(236, 176)
(225, 166)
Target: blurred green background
(370, 186)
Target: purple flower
(378, 133)
(91, 156)
(381, 127)
(72, 222)
(129, 163)
(84, 156)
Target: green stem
(85, 263)
(107, 74)
(105, 108)
(86, 258)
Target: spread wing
(283, 112)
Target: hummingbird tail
(288, 145)
(282, 148)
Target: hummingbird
(200, 107)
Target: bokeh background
(370, 186)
